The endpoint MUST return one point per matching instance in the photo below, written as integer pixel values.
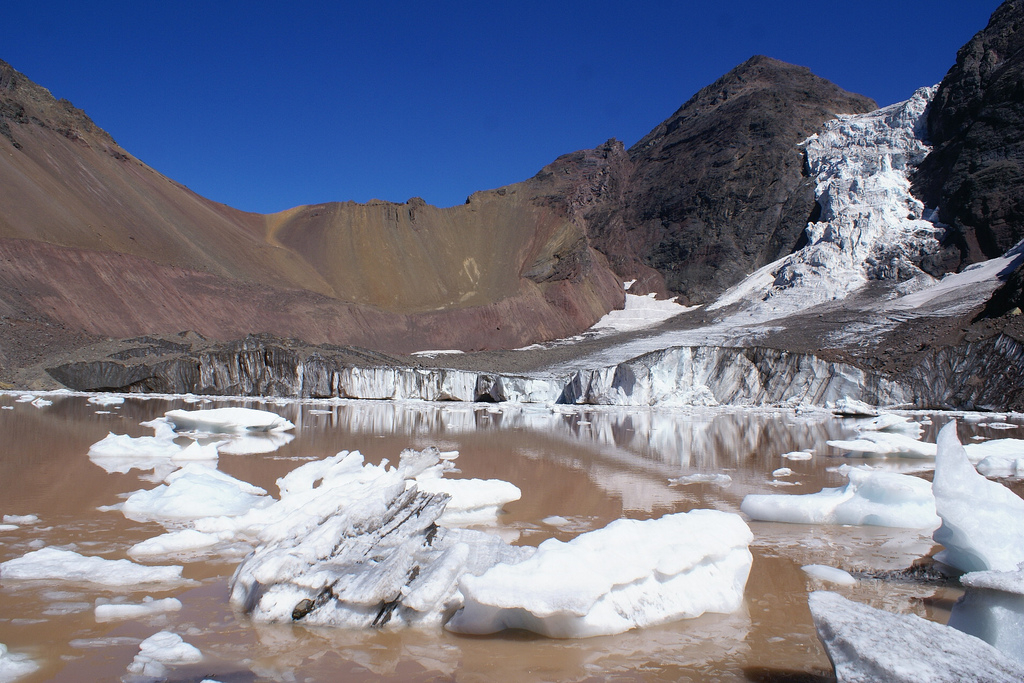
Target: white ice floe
(180, 542)
(851, 407)
(14, 666)
(867, 645)
(982, 520)
(627, 575)
(717, 479)
(193, 492)
(885, 443)
(160, 651)
(871, 498)
(42, 402)
(830, 574)
(228, 420)
(118, 611)
(251, 444)
(20, 520)
(52, 564)
(798, 455)
(889, 422)
(782, 472)
(1002, 466)
(106, 400)
(473, 501)
(352, 544)
(992, 609)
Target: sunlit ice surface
(578, 469)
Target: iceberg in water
(228, 420)
(982, 520)
(66, 565)
(627, 575)
(993, 609)
(14, 666)
(867, 645)
(160, 650)
(871, 498)
(193, 492)
(357, 545)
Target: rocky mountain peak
(22, 102)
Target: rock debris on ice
(867, 645)
(629, 574)
(358, 545)
(982, 520)
(871, 498)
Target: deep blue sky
(264, 106)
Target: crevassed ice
(871, 225)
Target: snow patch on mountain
(871, 227)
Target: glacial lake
(587, 466)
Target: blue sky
(264, 106)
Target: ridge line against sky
(267, 107)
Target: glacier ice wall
(870, 227)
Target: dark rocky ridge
(975, 172)
(719, 188)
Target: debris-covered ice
(867, 645)
(228, 420)
(982, 520)
(161, 650)
(358, 545)
(871, 497)
(993, 609)
(627, 575)
(53, 564)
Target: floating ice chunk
(982, 520)
(702, 478)
(472, 501)
(867, 645)
(555, 520)
(1002, 466)
(889, 422)
(886, 443)
(161, 650)
(173, 543)
(106, 400)
(782, 472)
(798, 455)
(67, 565)
(115, 611)
(25, 398)
(124, 446)
(871, 498)
(14, 666)
(354, 545)
(830, 574)
(229, 420)
(627, 575)
(20, 519)
(42, 402)
(999, 425)
(851, 407)
(993, 609)
(193, 492)
(1002, 449)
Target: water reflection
(587, 466)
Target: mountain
(94, 244)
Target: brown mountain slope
(94, 240)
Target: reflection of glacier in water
(579, 468)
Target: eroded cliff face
(975, 173)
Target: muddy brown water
(586, 466)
